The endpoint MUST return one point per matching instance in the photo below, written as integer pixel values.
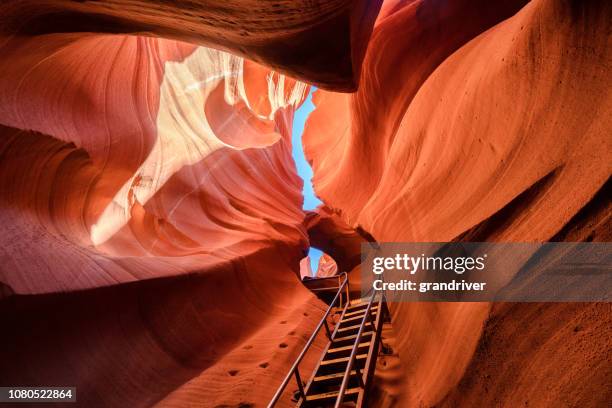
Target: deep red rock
(476, 112)
(320, 41)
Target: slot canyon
(152, 230)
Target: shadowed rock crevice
(328, 232)
(493, 227)
(322, 42)
(593, 222)
(183, 325)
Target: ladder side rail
(311, 340)
(370, 364)
(349, 367)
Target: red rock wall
(151, 212)
(148, 254)
(173, 341)
(478, 115)
(322, 41)
(145, 159)
(328, 232)
(151, 222)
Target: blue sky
(303, 168)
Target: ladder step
(351, 337)
(342, 359)
(332, 394)
(360, 311)
(357, 317)
(349, 328)
(337, 349)
(332, 376)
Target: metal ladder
(344, 371)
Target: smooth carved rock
(151, 228)
(330, 233)
(321, 41)
(131, 212)
(487, 120)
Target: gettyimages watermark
(485, 272)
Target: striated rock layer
(151, 225)
(486, 122)
(321, 41)
(145, 247)
(174, 341)
(140, 165)
(151, 212)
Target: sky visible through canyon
(311, 201)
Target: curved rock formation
(175, 341)
(327, 267)
(359, 129)
(328, 232)
(448, 129)
(151, 223)
(563, 358)
(135, 223)
(321, 41)
(145, 157)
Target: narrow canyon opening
(304, 170)
(157, 192)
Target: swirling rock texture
(148, 254)
(483, 121)
(322, 41)
(151, 224)
(147, 156)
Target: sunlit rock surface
(488, 121)
(305, 268)
(326, 267)
(143, 166)
(151, 223)
(322, 41)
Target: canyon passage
(154, 235)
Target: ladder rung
(357, 304)
(332, 376)
(349, 328)
(342, 359)
(356, 317)
(332, 394)
(337, 349)
(352, 336)
(360, 311)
